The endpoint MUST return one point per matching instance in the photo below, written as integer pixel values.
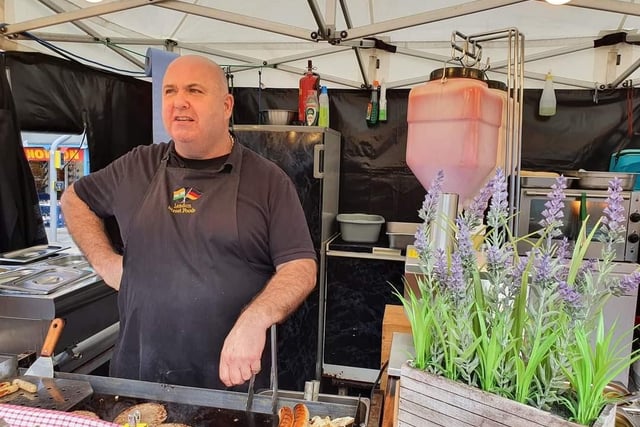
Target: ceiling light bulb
(93, 1)
(557, 2)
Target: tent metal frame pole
(330, 18)
(626, 73)
(550, 53)
(615, 6)
(254, 63)
(428, 17)
(317, 15)
(79, 38)
(356, 50)
(62, 18)
(305, 55)
(498, 67)
(87, 30)
(236, 18)
(221, 53)
(326, 77)
(102, 22)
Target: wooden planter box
(431, 400)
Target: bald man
(216, 245)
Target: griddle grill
(107, 407)
(203, 407)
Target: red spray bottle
(309, 85)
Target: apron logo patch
(181, 200)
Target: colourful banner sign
(42, 155)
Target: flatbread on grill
(86, 414)
(150, 413)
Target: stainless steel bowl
(278, 117)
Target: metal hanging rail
(470, 48)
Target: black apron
(185, 278)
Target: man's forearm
(88, 231)
(286, 290)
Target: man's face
(195, 106)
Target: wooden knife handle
(50, 341)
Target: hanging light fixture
(557, 2)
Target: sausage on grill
(286, 417)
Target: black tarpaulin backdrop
(21, 223)
(374, 177)
(55, 95)
(583, 133)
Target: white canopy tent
(270, 42)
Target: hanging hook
(595, 93)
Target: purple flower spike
(421, 242)
(553, 213)
(543, 266)
(440, 267)
(498, 208)
(614, 212)
(563, 249)
(430, 204)
(456, 275)
(479, 203)
(465, 246)
(569, 295)
(627, 284)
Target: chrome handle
(317, 149)
(572, 194)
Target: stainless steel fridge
(310, 155)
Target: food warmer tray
(31, 254)
(596, 180)
(545, 181)
(203, 407)
(40, 280)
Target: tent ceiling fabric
(271, 41)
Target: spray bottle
(323, 110)
(382, 116)
(372, 106)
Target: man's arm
(88, 232)
(243, 347)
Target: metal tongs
(250, 393)
(274, 370)
(274, 375)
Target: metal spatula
(43, 366)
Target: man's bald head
(196, 107)
(217, 73)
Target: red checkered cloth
(21, 416)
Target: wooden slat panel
(394, 320)
(448, 397)
(453, 406)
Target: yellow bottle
(547, 105)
